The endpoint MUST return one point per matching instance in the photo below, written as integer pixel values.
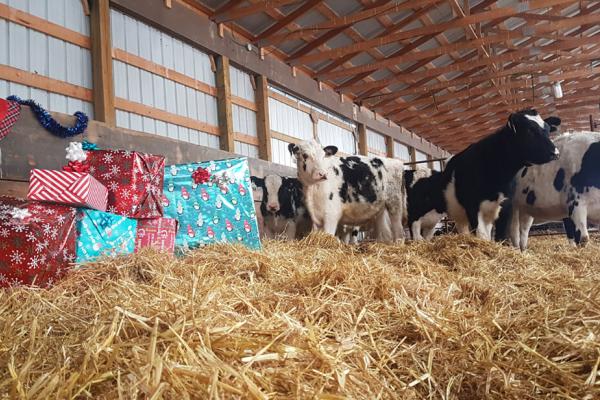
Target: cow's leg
(569, 230)
(290, 230)
(525, 222)
(515, 228)
(396, 225)
(415, 230)
(473, 217)
(579, 217)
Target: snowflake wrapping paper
(104, 234)
(220, 210)
(134, 181)
(158, 233)
(37, 242)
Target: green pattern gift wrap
(213, 203)
(104, 234)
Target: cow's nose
(273, 207)
(322, 175)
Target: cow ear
(293, 149)
(512, 122)
(330, 150)
(554, 123)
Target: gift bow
(75, 152)
(77, 166)
(200, 176)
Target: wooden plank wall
(29, 146)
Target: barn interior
(202, 80)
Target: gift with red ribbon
(9, 114)
(134, 181)
(72, 188)
(37, 242)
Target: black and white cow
(425, 203)
(567, 189)
(478, 179)
(349, 190)
(282, 206)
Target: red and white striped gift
(73, 188)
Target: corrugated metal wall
(244, 119)
(138, 85)
(376, 143)
(289, 120)
(33, 51)
(331, 134)
(401, 151)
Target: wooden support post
(262, 118)
(413, 155)
(102, 71)
(389, 144)
(224, 104)
(363, 146)
(430, 162)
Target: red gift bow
(200, 176)
(77, 166)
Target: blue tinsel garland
(50, 124)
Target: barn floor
(455, 319)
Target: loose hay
(456, 319)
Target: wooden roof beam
(456, 23)
(232, 14)
(291, 17)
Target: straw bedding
(454, 319)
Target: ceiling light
(557, 90)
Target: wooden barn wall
(20, 151)
(163, 86)
(46, 38)
(193, 26)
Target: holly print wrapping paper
(213, 203)
(37, 242)
(134, 181)
(104, 234)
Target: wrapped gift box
(134, 181)
(217, 208)
(104, 234)
(72, 188)
(37, 242)
(158, 233)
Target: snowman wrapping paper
(217, 208)
(104, 234)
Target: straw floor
(454, 319)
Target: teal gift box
(217, 208)
(104, 234)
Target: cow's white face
(312, 160)
(273, 184)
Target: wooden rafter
(282, 23)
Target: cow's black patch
(526, 190)
(569, 228)
(376, 163)
(577, 236)
(409, 177)
(358, 180)
(354, 232)
(330, 196)
(336, 171)
(524, 172)
(571, 208)
(589, 173)
(290, 196)
(304, 165)
(530, 198)
(380, 175)
(559, 179)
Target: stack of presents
(116, 202)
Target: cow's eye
(305, 156)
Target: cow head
(273, 185)
(530, 135)
(313, 161)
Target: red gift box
(158, 233)
(134, 181)
(37, 242)
(73, 188)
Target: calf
(567, 189)
(349, 190)
(425, 202)
(477, 179)
(282, 206)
